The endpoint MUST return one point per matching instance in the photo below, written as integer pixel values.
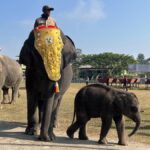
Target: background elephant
(40, 93)
(10, 77)
(97, 100)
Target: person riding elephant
(41, 81)
(45, 19)
(10, 77)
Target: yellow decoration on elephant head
(49, 44)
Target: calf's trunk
(135, 129)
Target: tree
(141, 58)
(147, 61)
(116, 62)
(76, 63)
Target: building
(92, 72)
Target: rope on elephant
(49, 44)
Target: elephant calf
(97, 100)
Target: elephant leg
(46, 119)
(40, 107)
(38, 120)
(83, 119)
(106, 124)
(54, 115)
(53, 121)
(32, 127)
(51, 133)
(56, 106)
(6, 97)
(15, 91)
(82, 131)
(72, 129)
(19, 94)
(119, 121)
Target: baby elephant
(97, 100)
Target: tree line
(116, 62)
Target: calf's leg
(72, 129)
(119, 121)
(106, 124)
(82, 130)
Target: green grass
(17, 113)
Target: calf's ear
(119, 102)
(134, 109)
(133, 94)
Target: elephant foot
(44, 138)
(31, 131)
(103, 141)
(13, 102)
(123, 143)
(47, 138)
(52, 136)
(70, 133)
(83, 137)
(5, 102)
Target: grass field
(17, 113)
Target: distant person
(98, 77)
(125, 83)
(45, 19)
(87, 80)
(107, 81)
(145, 79)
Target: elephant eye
(134, 109)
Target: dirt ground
(12, 137)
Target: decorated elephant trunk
(48, 43)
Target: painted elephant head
(28, 51)
(128, 104)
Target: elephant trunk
(135, 129)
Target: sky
(96, 26)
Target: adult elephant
(40, 93)
(10, 77)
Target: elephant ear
(25, 56)
(133, 94)
(69, 51)
(119, 101)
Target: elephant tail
(78, 103)
(74, 113)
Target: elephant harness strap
(49, 44)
